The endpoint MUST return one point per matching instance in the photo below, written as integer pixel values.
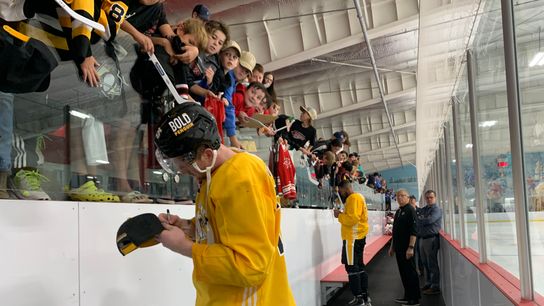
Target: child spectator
(357, 173)
(247, 101)
(144, 77)
(323, 168)
(370, 181)
(215, 102)
(268, 82)
(207, 64)
(201, 12)
(343, 156)
(344, 172)
(239, 74)
(258, 74)
(144, 19)
(377, 182)
(273, 110)
(301, 135)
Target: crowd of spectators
(207, 66)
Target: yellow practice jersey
(354, 219)
(238, 255)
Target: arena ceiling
(319, 57)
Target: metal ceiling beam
(382, 131)
(363, 104)
(273, 52)
(378, 158)
(396, 27)
(360, 66)
(402, 145)
(376, 74)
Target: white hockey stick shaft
(165, 78)
(93, 24)
(280, 129)
(340, 200)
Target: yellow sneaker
(88, 192)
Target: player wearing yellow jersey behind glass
(354, 220)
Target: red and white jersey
(286, 172)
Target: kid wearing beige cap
(239, 74)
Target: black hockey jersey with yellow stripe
(75, 37)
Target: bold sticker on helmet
(180, 124)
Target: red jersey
(239, 103)
(217, 109)
(286, 173)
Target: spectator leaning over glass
(301, 136)
(268, 82)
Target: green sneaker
(27, 185)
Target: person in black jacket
(402, 245)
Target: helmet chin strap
(208, 171)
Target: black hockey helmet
(183, 130)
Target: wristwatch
(410, 246)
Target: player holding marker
(234, 238)
(354, 228)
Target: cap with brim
(310, 110)
(138, 232)
(234, 45)
(202, 11)
(248, 61)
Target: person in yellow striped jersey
(234, 239)
(354, 221)
(70, 37)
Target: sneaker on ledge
(27, 185)
(88, 192)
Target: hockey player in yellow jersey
(234, 238)
(354, 221)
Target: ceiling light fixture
(489, 123)
(79, 114)
(538, 59)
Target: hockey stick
(78, 17)
(287, 126)
(280, 129)
(340, 200)
(166, 80)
